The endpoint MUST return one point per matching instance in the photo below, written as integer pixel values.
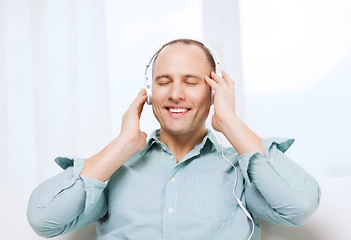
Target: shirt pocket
(130, 191)
(214, 197)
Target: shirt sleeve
(278, 190)
(66, 201)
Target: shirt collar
(210, 136)
(152, 139)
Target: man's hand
(130, 130)
(224, 99)
(225, 120)
(130, 141)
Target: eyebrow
(163, 76)
(183, 76)
(192, 76)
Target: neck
(182, 144)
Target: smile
(178, 110)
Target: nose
(177, 92)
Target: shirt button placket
(170, 208)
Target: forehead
(180, 53)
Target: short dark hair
(187, 41)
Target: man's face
(180, 96)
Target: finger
(213, 84)
(139, 101)
(142, 92)
(140, 104)
(141, 95)
(144, 135)
(227, 78)
(217, 78)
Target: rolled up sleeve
(278, 189)
(66, 201)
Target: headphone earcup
(149, 99)
(148, 91)
(219, 73)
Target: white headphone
(148, 75)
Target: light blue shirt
(152, 197)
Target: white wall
(297, 76)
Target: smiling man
(179, 183)
(181, 97)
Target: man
(178, 185)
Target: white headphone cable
(236, 198)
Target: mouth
(177, 110)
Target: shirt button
(170, 210)
(171, 157)
(173, 179)
(161, 149)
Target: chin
(181, 130)
(176, 131)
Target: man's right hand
(130, 130)
(130, 141)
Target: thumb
(140, 100)
(144, 135)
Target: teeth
(178, 110)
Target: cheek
(158, 94)
(157, 111)
(157, 99)
(202, 95)
(206, 101)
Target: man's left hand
(224, 99)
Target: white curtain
(53, 84)
(53, 95)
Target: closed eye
(191, 83)
(162, 80)
(162, 83)
(192, 80)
